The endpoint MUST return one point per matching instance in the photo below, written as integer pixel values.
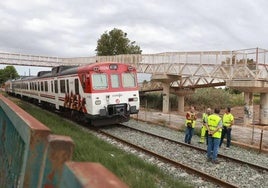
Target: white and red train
(103, 93)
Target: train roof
(57, 71)
(43, 73)
(98, 64)
(66, 70)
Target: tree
(9, 72)
(116, 42)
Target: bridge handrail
(249, 63)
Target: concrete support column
(248, 109)
(165, 108)
(264, 109)
(181, 103)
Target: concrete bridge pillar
(165, 79)
(181, 103)
(166, 94)
(181, 93)
(253, 86)
(264, 109)
(248, 109)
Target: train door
(38, 91)
(56, 90)
(83, 81)
(76, 86)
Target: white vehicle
(103, 93)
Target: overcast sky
(66, 28)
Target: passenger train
(102, 93)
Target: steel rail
(174, 163)
(257, 167)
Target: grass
(129, 168)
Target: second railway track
(194, 159)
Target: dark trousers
(226, 131)
(188, 135)
(206, 135)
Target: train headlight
(113, 67)
(96, 69)
(130, 68)
(134, 99)
(97, 102)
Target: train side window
(83, 81)
(67, 84)
(52, 86)
(62, 86)
(128, 80)
(38, 86)
(46, 86)
(56, 86)
(115, 80)
(99, 81)
(42, 86)
(76, 86)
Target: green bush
(201, 99)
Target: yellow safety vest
(191, 121)
(213, 122)
(227, 119)
(205, 118)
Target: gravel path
(247, 135)
(243, 176)
(237, 174)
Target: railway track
(204, 173)
(225, 157)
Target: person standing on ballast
(228, 121)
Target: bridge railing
(247, 64)
(29, 60)
(239, 64)
(32, 157)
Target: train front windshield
(100, 81)
(128, 80)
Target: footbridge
(182, 72)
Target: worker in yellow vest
(204, 131)
(214, 127)
(190, 124)
(228, 121)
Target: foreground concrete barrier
(32, 157)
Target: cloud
(72, 28)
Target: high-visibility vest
(227, 119)
(190, 121)
(213, 122)
(205, 119)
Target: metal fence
(32, 157)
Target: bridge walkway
(182, 72)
